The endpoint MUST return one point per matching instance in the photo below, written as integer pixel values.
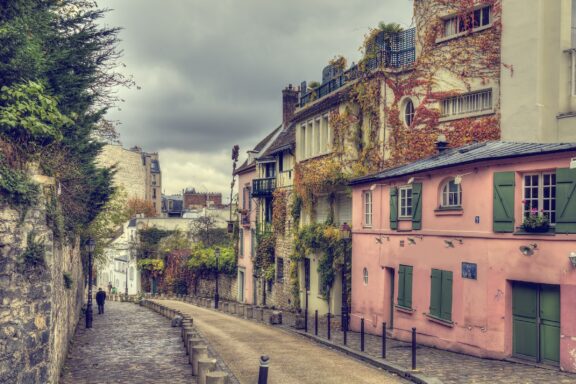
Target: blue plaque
(469, 270)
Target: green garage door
(536, 322)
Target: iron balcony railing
(263, 187)
(394, 51)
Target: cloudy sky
(211, 72)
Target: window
(153, 193)
(573, 24)
(252, 243)
(409, 113)
(441, 294)
(279, 269)
(539, 194)
(314, 137)
(268, 210)
(241, 245)
(461, 23)
(451, 195)
(365, 275)
(405, 202)
(281, 162)
(270, 170)
(405, 286)
(367, 208)
(475, 102)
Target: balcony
(263, 187)
(245, 220)
(395, 51)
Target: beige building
(137, 172)
(539, 70)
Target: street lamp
(216, 295)
(89, 247)
(345, 234)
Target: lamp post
(89, 246)
(345, 234)
(216, 295)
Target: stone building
(196, 199)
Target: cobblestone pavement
(128, 344)
(449, 367)
(293, 359)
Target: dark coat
(100, 297)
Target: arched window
(451, 194)
(365, 276)
(409, 112)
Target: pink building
(440, 244)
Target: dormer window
(471, 21)
(451, 195)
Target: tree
(140, 206)
(204, 230)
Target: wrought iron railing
(263, 187)
(393, 51)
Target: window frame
(476, 103)
(241, 245)
(315, 137)
(409, 115)
(527, 201)
(367, 205)
(402, 203)
(445, 195)
(461, 28)
(279, 269)
(365, 276)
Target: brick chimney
(289, 102)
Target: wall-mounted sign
(469, 270)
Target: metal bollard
(263, 373)
(316, 323)
(413, 348)
(362, 334)
(383, 340)
(329, 325)
(345, 335)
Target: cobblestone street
(128, 344)
(293, 359)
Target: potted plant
(535, 222)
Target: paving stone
(129, 344)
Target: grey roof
(285, 140)
(472, 153)
(263, 144)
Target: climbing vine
(279, 211)
(264, 257)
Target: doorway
(240, 286)
(536, 322)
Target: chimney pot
(441, 143)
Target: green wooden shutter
(435, 292)
(401, 284)
(393, 208)
(503, 206)
(416, 205)
(408, 287)
(446, 306)
(566, 200)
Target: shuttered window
(321, 209)
(417, 206)
(441, 294)
(405, 286)
(241, 236)
(503, 202)
(393, 208)
(367, 208)
(565, 200)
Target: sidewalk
(435, 364)
(129, 344)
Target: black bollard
(413, 349)
(316, 323)
(263, 373)
(306, 314)
(362, 334)
(345, 335)
(383, 340)
(329, 322)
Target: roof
(285, 140)
(262, 145)
(472, 153)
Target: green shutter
(241, 236)
(566, 200)
(446, 306)
(416, 205)
(503, 206)
(393, 208)
(401, 283)
(408, 287)
(435, 292)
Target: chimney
(441, 144)
(289, 102)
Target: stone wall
(227, 287)
(38, 314)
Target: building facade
(454, 245)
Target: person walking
(100, 299)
